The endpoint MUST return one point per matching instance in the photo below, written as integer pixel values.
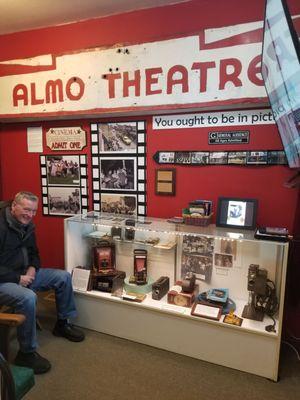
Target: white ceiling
(22, 15)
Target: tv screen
(281, 75)
(235, 212)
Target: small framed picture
(165, 182)
(207, 311)
(233, 319)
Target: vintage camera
(129, 232)
(116, 232)
(160, 287)
(104, 256)
(140, 266)
(188, 284)
(108, 283)
(258, 287)
(257, 280)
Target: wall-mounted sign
(211, 68)
(66, 138)
(213, 119)
(232, 137)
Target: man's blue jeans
(23, 301)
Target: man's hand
(26, 280)
(31, 272)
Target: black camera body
(160, 287)
(140, 266)
(108, 283)
(188, 284)
(116, 232)
(129, 232)
(257, 280)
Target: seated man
(21, 276)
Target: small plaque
(232, 137)
(207, 311)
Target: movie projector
(258, 293)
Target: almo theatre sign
(215, 67)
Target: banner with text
(215, 67)
(209, 120)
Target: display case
(230, 264)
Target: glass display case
(205, 292)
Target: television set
(233, 212)
(281, 75)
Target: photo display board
(257, 157)
(64, 184)
(119, 167)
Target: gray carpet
(109, 368)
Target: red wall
(20, 170)
(277, 204)
(134, 27)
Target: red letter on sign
(20, 93)
(152, 80)
(136, 83)
(111, 84)
(73, 81)
(54, 88)
(203, 67)
(183, 80)
(227, 76)
(34, 100)
(254, 74)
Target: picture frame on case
(236, 212)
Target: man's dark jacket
(18, 248)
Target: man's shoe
(34, 361)
(68, 331)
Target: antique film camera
(105, 277)
(262, 294)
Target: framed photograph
(118, 174)
(229, 247)
(200, 266)
(118, 203)
(257, 157)
(206, 311)
(236, 212)
(218, 157)
(223, 260)
(165, 182)
(198, 245)
(64, 201)
(182, 157)
(199, 157)
(277, 157)
(237, 157)
(120, 137)
(64, 184)
(119, 162)
(166, 157)
(63, 170)
(233, 319)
